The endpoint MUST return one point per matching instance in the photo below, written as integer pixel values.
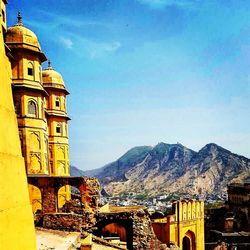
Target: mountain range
(172, 169)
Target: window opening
(58, 129)
(32, 108)
(3, 14)
(57, 103)
(30, 71)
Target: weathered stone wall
(140, 234)
(68, 221)
(89, 188)
(143, 234)
(90, 194)
(73, 205)
(62, 221)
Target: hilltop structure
(40, 104)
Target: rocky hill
(172, 169)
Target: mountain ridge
(173, 168)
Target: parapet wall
(187, 210)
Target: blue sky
(147, 71)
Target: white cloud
(161, 4)
(66, 42)
(88, 47)
(93, 49)
(100, 49)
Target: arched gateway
(188, 241)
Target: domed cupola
(52, 78)
(20, 37)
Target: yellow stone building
(29, 96)
(40, 104)
(184, 226)
(57, 119)
(16, 219)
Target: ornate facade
(184, 226)
(57, 120)
(40, 104)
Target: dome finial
(19, 18)
(49, 64)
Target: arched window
(32, 109)
(30, 69)
(59, 128)
(58, 102)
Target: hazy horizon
(141, 72)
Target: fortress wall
(16, 219)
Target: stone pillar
(82, 189)
(49, 199)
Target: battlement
(186, 210)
